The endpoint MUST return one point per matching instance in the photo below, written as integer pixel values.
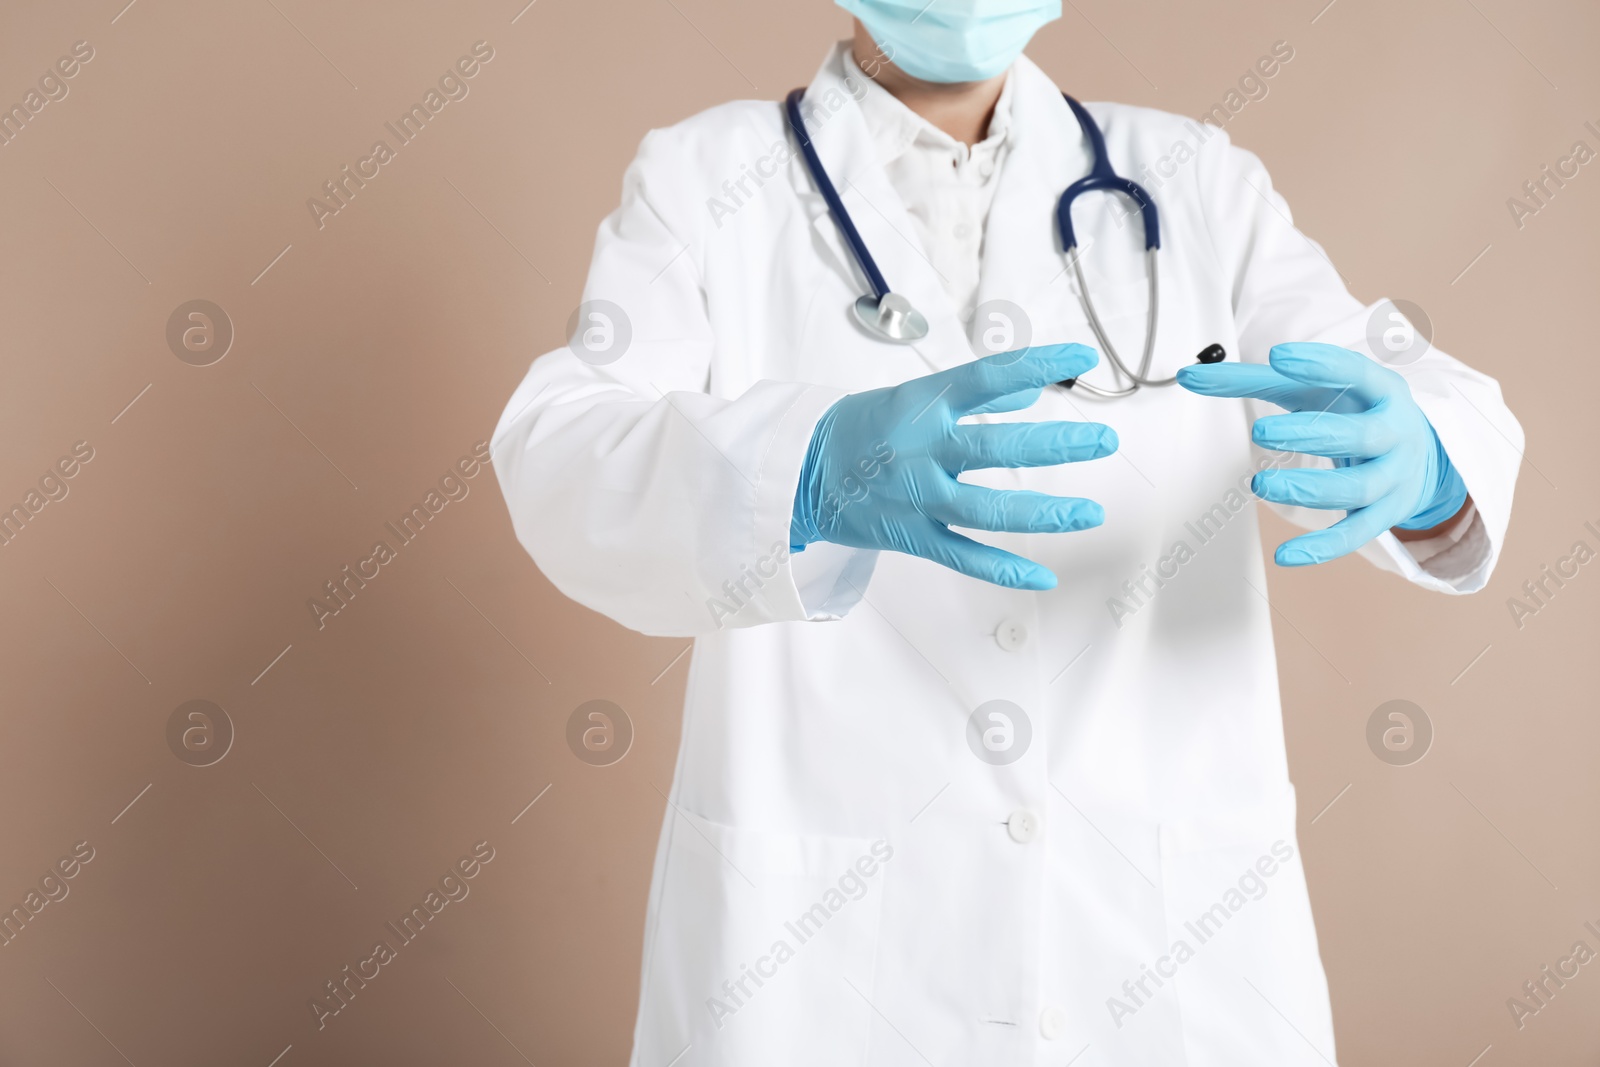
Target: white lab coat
(900, 901)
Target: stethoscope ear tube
(1103, 177)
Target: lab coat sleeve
(1284, 288)
(638, 492)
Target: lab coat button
(1052, 1022)
(1023, 826)
(1011, 635)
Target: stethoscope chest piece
(890, 318)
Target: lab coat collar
(1023, 260)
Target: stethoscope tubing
(830, 196)
(1101, 178)
(1151, 319)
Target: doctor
(1014, 794)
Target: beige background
(427, 715)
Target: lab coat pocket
(1244, 955)
(764, 947)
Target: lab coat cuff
(832, 578)
(805, 585)
(1463, 556)
(1457, 562)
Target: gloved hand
(881, 469)
(1390, 469)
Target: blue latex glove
(1390, 469)
(881, 469)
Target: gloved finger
(1011, 402)
(1253, 380)
(978, 507)
(1027, 444)
(1332, 367)
(1322, 433)
(1342, 489)
(971, 385)
(1343, 537)
(984, 562)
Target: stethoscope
(891, 317)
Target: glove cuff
(1449, 491)
(803, 523)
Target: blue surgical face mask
(952, 40)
